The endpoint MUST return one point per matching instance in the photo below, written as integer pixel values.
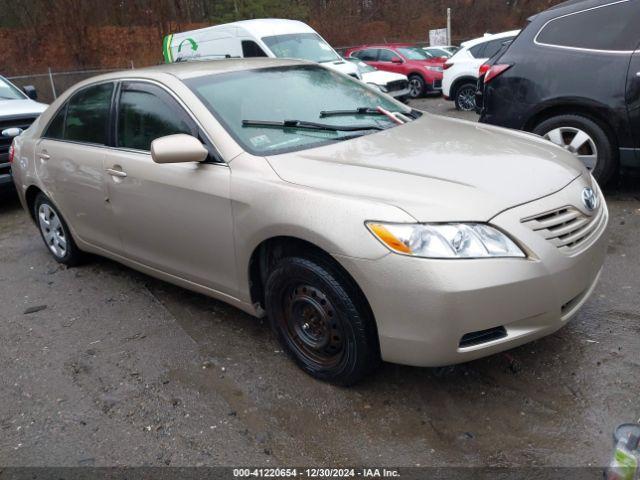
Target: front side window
(387, 55)
(306, 46)
(145, 113)
(309, 90)
(252, 49)
(87, 115)
(413, 53)
(612, 27)
(9, 92)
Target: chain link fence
(51, 85)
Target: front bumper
(424, 308)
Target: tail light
(484, 68)
(12, 151)
(447, 66)
(493, 71)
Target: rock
(35, 309)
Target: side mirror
(178, 148)
(30, 91)
(396, 60)
(11, 132)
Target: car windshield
(9, 92)
(301, 93)
(413, 53)
(438, 52)
(306, 46)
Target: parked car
(394, 84)
(440, 52)
(18, 110)
(424, 72)
(460, 77)
(590, 105)
(265, 37)
(364, 229)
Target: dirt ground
(103, 366)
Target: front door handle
(44, 156)
(116, 173)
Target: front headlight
(434, 69)
(447, 240)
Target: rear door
(175, 218)
(69, 162)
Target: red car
(424, 72)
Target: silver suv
(18, 109)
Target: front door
(69, 161)
(633, 107)
(175, 218)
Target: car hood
(14, 108)
(436, 168)
(381, 77)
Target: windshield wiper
(355, 111)
(301, 124)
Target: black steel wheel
(321, 320)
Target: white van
(269, 37)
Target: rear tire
(55, 232)
(321, 320)
(465, 98)
(595, 144)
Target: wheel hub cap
(52, 231)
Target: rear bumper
(426, 310)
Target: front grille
(5, 142)
(483, 336)
(567, 228)
(397, 85)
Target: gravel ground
(103, 366)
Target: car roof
(197, 68)
(263, 27)
(383, 45)
(488, 37)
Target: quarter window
(87, 116)
(478, 50)
(612, 27)
(146, 113)
(55, 130)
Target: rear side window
(612, 27)
(367, 55)
(252, 49)
(145, 113)
(88, 115)
(478, 50)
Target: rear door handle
(116, 173)
(44, 156)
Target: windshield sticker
(260, 140)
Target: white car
(394, 84)
(264, 37)
(460, 76)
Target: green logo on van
(191, 41)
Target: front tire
(321, 320)
(55, 232)
(465, 98)
(584, 138)
(416, 86)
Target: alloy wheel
(415, 87)
(577, 142)
(467, 98)
(52, 230)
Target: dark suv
(572, 76)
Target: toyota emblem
(589, 199)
